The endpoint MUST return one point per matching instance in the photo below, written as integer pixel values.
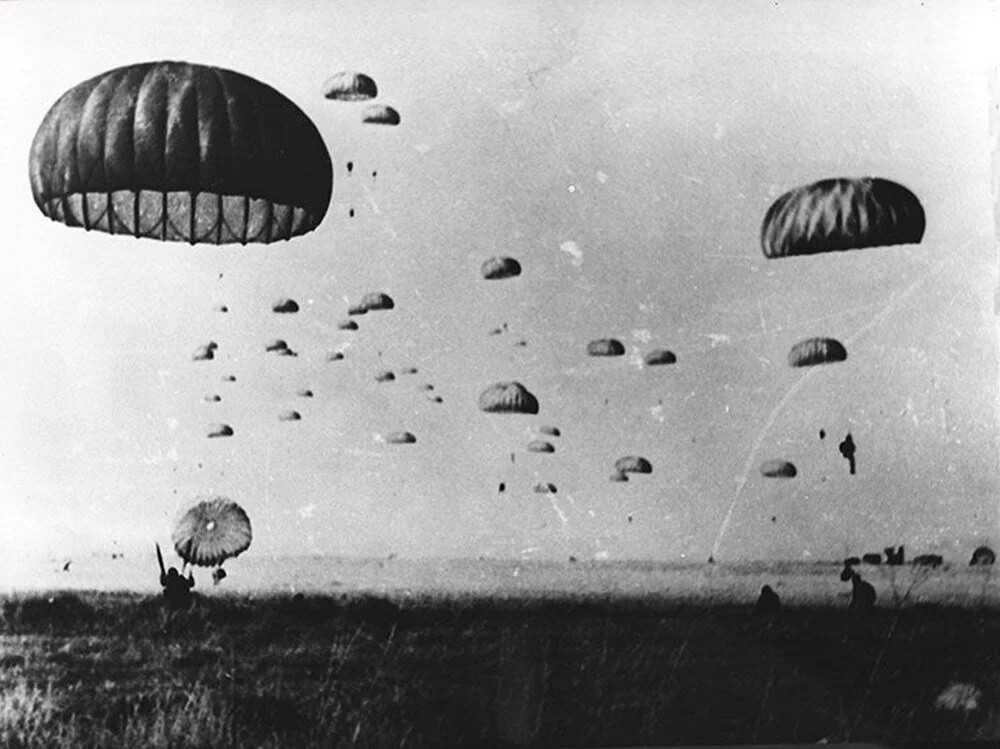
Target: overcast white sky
(653, 136)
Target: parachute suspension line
(135, 213)
(84, 212)
(798, 385)
(110, 212)
(191, 217)
(218, 218)
(270, 221)
(163, 215)
(246, 219)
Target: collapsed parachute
(181, 152)
(508, 397)
(211, 532)
(633, 464)
(541, 446)
(659, 356)
(781, 469)
(379, 114)
(500, 267)
(605, 347)
(842, 214)
(813, 351)
(350, 86)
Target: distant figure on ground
(894, 557)
(862, 593)
(847, 449)
(768, 602)
(847, 573)
(983, 556)
(177, 589)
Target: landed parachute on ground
(541, 446)
(181, 152)
(813, 351)
(842, 214)
(633, 464)
(285, 306)
(212, 531)
(401, 438)
(780, 469)
(605, 347)
(380, 114)
(508, 397)
(349, 85)
(220, 430)
(659, 356)
(497, 268)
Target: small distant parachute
(659, 356)
(618, 476)
(437, 399)
(277, 344)
(541, 446)
(334, 356)
(285, 306)
(212, 531)
(212, 398)
(605, 347)
(220, 430)
(401, 438)
(428, 386)
(289, 415)
(180, 152)
(222, 308)
(347, 325)
(384, 376)
(813, 351)
(497, 268)
(349, 85)
(545, 488)
(983, 556)
(229, 378)
(377, 300)
(549, 430)
(508, 397)
(408, 370)
(206, 352)
(780, 469)
(834, 215)
(305, 393)
(380, 114)
(633, 464)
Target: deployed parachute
(222, 308)
(220, 430)
(408, 370)
(780, 469)
(349, 85)
(842, 214)
(376, 300)
(289, 415)
(659, 356)
(305, 393)
(508, 397)
(212, 398)
(229, 378)
(206, 352)
(334, 356)
(551, 431)
(212, 531)
(500, 267)
(380, 114)
(285, 306)
(541, 446)
(605, 347)
(814, 351)
(276, 344)
(633, 464)
(347, 325)
(384, 376)
(181, 152)
(545, 488)
(437, 399)
(401, 438)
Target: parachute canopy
(285, 306)
(181, 152)
(842, 214)
(276, 344)
(349, 85)
(500, 267)
(605, 347)
(408, 370)
(384, 375)
(289, 415)
(212, 531)
(549, 430)
(780, 469)
(401, 438)
(545, 488)
(347, 325)
(376, 300)
(220, 430)
(633, 464)
(659, 356)
(206, 352)
(508, 397)
(304, 393)
(334, 356)
(380, 114)
(814, 351)
(541, 446)
(212, 398)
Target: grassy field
(106, 669)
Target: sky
(625, 154)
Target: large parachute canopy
(377, 300)
(814, 351)
(508, 397)
(181, 152)
(633, 464)
(500, 267)
(212, 531)
(541, 446)
(379, 114)
(659, 356)
(779, 469)
(605, 347)
(349, 85)
(842, 214)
